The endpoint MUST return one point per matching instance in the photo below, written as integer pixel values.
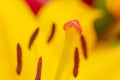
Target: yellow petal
(17, 26)
(102, 64)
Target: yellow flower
(24, 40)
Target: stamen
(36, 5)
(39, 69)
(84, 47)
(52, 33)
(76, 63)
(19, 59)
(33, 37)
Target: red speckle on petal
(89, 2)
(35, 5)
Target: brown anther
(19, 59)
(84, 47)
(76, 62)
(33, 37)
(52, 33)
(39, 69)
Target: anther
(19, 59)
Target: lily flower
(28, 50)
